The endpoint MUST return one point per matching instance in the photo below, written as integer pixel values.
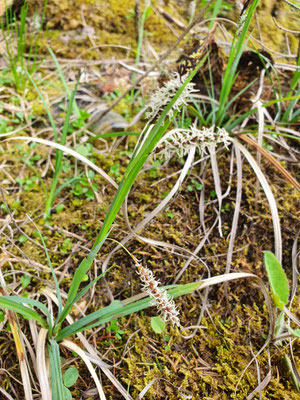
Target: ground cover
(188, 239)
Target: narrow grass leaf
(70, 152)
(13, 303)
(112, 134)
(59, 154)
(58, 295)
(278, 280)
(80, 272)
(70, 376)
(117, 309)
(114, 308)
(55, 370)
(45, 106)
(64, 82)
(236, 50)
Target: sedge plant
(21, 45)
(55, 330)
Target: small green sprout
(114, 327)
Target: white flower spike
(161, 98)
(161, 299)
(180, 141)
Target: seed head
(180, 141)
(160, 298)
(161, 98)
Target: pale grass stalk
(73, 347)
(262, 384)
(260, 132)
(261, 124)
(26, 380)
(7, 395)
(70, 152)
(271, 159)
(270, 197)
(296, 272)
(42, 371)
(236, 208)
(217, 182)
(32, 356)
(96, 360)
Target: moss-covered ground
(205, 363)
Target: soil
(210, 362)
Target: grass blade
(270, 197)
(56, 374)
(13, 303)
(236, 50)
(84, 266)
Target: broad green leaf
(70, 376)
(68, 394)
(158, 325)
(84, 150)
(277, 279)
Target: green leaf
(25, 281)
(116, 310)
(101, 316)
(22, 239)
(295, 332)
(112, 134)
(59, 208)
(139, 158)
(277, 279)
(58, 389)
(68, 394)
(158, 325)
(148, 13)
(70, 376)
(13, 303)
(84, 150)
(2, 316)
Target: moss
(208, 365)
